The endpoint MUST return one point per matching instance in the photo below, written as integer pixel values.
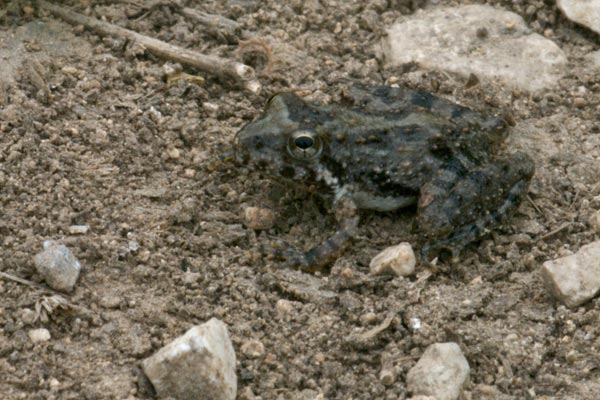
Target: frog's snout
(240, 148)
(251, 150)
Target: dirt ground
(92, 134)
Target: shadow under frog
(393, 147)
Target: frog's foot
(292, 257)
(443, 249)
(319, 256)
(459, 207)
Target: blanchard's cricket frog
(390, 148)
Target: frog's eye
(270, 99)
(305, 144)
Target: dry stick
(212, 64)
(218, 24)
(24, 281)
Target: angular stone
(398, 260)
(584, 12)
(58, 266)
(37, 336)
(198, 365)
(441, 372)
(476, 39)
(574, 279)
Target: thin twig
(23, 281)
(221, 67)
(555, 231)
(535, 206)
(219, 26)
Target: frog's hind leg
(325, 253)
(319, 256)
(460, 205)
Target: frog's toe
(441, 250)
(291, 257)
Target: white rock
(198, 365)
(58, 266)
(37, 336)
(584, 12)
(595, 221)
(399, 260)
(78, 229)
(574, 279)
(476, 39)
(441, 372)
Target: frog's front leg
(325, 253)
(461, 204)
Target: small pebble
(198, 365)
(173, 153)
(399, 260)
(110, 301)
(54, 384)
(37, 336)
(210, 107)
(253, 349)
(575, 278)
(58, 266)
(28, 316)
(368, 318)
(284, 307)
(441, 372)
(191, 278)
(259, 218)
(78, 229)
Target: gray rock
(57, 266)
(198, 365)
(441, 372)
(476, 39)
(584, 12)
(574, 279)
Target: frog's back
(393, 140)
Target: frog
(382, 149)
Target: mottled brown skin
(392, 147)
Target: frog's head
(284, 141)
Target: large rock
(476, 39)
(574, 279)
(58, 266)
(197, 365)
(584, 12)
(441, 372)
